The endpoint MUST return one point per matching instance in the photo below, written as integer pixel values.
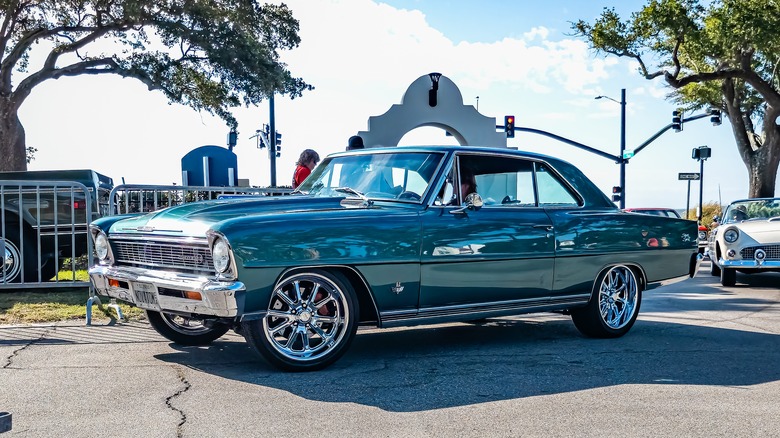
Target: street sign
(628, 154)
(689, 176)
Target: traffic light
(715, 116)
(509, 126)
(616, 193)
(232, 139)
(278, 144)
(677, 123)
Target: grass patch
(24, 307)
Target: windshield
(752, 210)
(403, 176)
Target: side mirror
(473, 202)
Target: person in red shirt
(308, 159)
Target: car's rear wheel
(311, 320)
(614, 306)
(185, 331)
(728, 277)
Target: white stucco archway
(462, 121)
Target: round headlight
(702, 235)
(731, 235)
(101, 246)
(220, 253)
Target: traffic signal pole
(272, 141)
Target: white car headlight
(702, 235)
(731, 235)
(101, 246)
(220, 253)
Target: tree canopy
(208, 54)
(720, 53)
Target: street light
(623, 160)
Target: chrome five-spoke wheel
(614, 307)
(311, 318)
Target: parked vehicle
(391, 237)
(42, 223)
(747, 239)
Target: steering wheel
(412, 196)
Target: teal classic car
(392, 237)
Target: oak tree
(720, 53)
(209, 55)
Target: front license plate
(145, 296)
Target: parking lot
(701, 361)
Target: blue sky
(518, 57)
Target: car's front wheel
(728, 277)
(184, 331)
(614, 306)
(312, 318)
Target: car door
(497, 257)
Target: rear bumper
(218, 298)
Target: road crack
(169, 400)
(9, 360)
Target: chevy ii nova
(392, 237)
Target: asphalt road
(702, 361)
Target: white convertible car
(747, 239)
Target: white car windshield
(402, 176)
(752, 209)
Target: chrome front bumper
(218, 298)
(749, 264)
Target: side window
(502, 181)
(551, 190)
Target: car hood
(194, 219)
(762, 231)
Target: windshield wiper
(367, 202)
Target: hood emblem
(145, 229)
(397, 289)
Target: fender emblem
(397, 289)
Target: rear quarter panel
(588, 241)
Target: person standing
(303, 167)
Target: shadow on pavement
(422, 369)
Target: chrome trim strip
(166, 239)
(525, 305)
(667, 282)
(219, 297)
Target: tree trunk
(13, 149)
(762, 164)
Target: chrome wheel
(614, 305)
(618, 297)
(308, 317)
(184, 330)
(186, 326)
(12, 261)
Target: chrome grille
(185, 257)
(772, 252)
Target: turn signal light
(192, 295)
(113, 283)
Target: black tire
(728, 277)
(184, 331)
(714, 269)
(12, 266)
(311, 321)
(613, 307)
